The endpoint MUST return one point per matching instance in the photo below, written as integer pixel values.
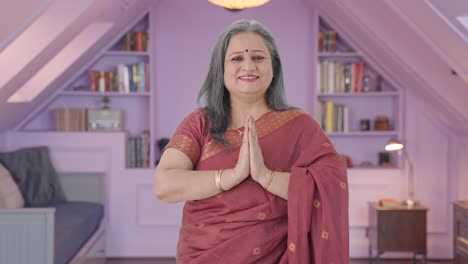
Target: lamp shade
(393, 145)
(238, 4)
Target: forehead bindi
(246, 43)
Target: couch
(46, 226)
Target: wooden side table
(460, 232)
(397, 228)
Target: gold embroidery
(261, 216)
(265, 126)
(256, 251)
(325, 235)
(292, 247)
(326, 144)
(316, 204)
(186, 145)
(342, 185)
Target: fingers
(253, 129)
(245, 138)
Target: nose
(248, 65)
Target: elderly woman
(261, 182)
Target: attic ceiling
(436, 21)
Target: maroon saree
(247, 224)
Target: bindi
(246, 50)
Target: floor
(172, 261)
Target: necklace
(240, 132)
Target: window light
(53, 21)
(60, 62)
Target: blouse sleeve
(189, 136)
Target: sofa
(38, 222)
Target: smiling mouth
(248, 78)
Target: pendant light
(238, 4)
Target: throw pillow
(10, 196)
(37, 179)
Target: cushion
(35, 175)
(10, 196)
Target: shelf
(361, 94)
(88, 93)
(363, 134)
(126, 53)
(338, 54)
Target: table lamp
(396, 145)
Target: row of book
(327, 41)
(332, 117)
(70, 119)
(138, 150)
(340, 77)
(126, 79)
(134, 41)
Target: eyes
(256, 58)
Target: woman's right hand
(241, 171)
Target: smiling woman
(260, 180)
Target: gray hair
(217, 99)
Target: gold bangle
(271, 180)
(218, 180)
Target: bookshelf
(355, 105)
(121, 75)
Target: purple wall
(185, 33)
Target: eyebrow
(237, 52)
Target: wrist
(267, 179)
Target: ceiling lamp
(238, 4)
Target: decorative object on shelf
(365, 84)
(105, 119)
(378, 84)
(366, 164)
(396, 145)
(381, 123)
(238, 4)
(384, 160)
(364, 124)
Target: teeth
(248, 77)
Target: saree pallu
(248, 224)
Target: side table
(397, 228)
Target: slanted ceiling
(119, 13)
(411, 42)
(405, 54)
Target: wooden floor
(172, 261)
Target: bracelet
(218, 180)
(271, 180)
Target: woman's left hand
(259, 172)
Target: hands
(259, 172)
(250, 160)
(250, 156)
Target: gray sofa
(50, 228)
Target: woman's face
(248, 69)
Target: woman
(261, 181)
